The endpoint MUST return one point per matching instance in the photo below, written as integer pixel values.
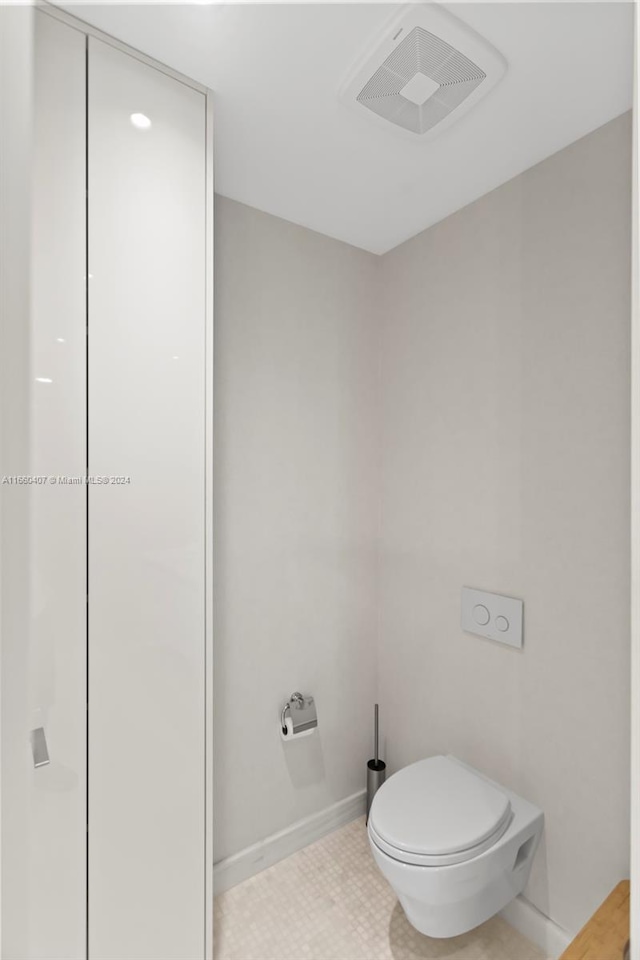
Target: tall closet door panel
(146, 148)
(57, 678)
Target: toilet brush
(376, 768)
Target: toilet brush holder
(376, 768)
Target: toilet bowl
(455, 846)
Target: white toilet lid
(438, 811)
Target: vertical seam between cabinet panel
(205, 516)
(208, 513)
(86, 287)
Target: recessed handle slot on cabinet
(39, 747)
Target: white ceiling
(285, 144)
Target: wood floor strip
(606, 934)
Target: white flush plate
(492, 616)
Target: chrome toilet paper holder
(301, 711)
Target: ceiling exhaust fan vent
(427, 71)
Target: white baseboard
(537, 927)
(233, 870)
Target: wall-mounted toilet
(455, 846)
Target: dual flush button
(482, 616)
(493, 616)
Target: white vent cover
(425, 72)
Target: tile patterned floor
(330, 902)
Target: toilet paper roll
(290, 735)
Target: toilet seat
(438, 812)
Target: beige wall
(295, 519)
(505, 346)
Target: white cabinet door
(146, 376)
(57, 539)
